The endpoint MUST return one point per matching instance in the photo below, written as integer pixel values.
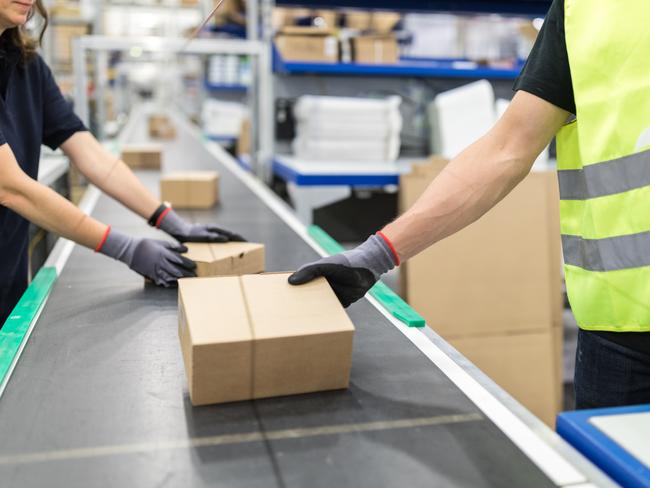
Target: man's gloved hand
(183, 231)
(159, 261)
(351, 273)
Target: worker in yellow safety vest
(590, 60)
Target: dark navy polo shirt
(32, 112)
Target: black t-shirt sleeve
(59, 120)
(547, 74)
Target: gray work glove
(183, 231)
(159, 261)
(352, 273)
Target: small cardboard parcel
(226, 259)
(190, 189)
(256, 336)
(142, 156)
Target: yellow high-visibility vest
(604, 165)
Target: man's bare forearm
(478, 178)
(110, 174)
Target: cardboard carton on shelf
(142, 156)
(243, 146)
(308, 44)
(384, 22)
(527, 365)
(190, 189)
(360, 20)
(227, 258)
(256, 336)
(375, 49)
(63, 36)
(500, 274)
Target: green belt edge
(380, 292)
(14, 331)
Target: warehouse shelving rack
(300, 179)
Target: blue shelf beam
(223, 87)
(508, 7)
(289, 174)
(407, 67)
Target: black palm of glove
(160, 261)
(352, 273)
(183, 231)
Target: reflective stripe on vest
(604, 165)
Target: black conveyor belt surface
(99, 396)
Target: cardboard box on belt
(227, 258)
(160, 127)
(256, 336)
(142, 156)
(190, 189)
(308, 44)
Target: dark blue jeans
(609, 374)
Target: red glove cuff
(103, 241)
(391, 247)
(161, 217)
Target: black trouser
(609, 374)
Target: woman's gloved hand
(183, 231)
(351, 273)
(160, 261)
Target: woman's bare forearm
(478, 178)
(43, 206)
(109, 174)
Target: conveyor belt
(99, 395)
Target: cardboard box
(308, 44)
(160, 127)
(227, 258)
(256, 336)
(375, 49)
(142, 156)
(525, 365)
(243, 146)
(500, 274)
(63, 36)
(384, 22)
(358, 19)
(190, 189)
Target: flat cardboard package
(256, 336)
(227, 258)
(375, 49)
(500, 274)
(142, 156)
(527, 365)
(190, 189)
(308, 44)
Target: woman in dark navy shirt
(33, 112)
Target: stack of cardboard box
(366, 36)
(308, 44)
(494, 289)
